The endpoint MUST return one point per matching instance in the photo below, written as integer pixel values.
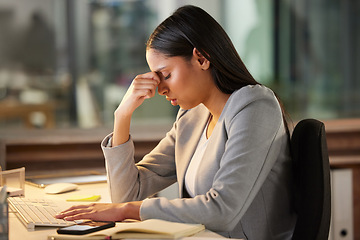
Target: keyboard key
(37, 212)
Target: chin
(187, 107)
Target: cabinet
(343, 139)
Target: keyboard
(37, 212)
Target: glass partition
(317, 57)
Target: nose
(162, 88)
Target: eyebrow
(159, 69)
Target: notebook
(149, 229)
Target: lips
(173, 101)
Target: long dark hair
(191, 27)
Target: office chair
(312, 180)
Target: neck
(215, 103)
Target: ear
(201, 60)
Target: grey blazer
(243, 187)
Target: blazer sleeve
(255, 136)
(132, 182)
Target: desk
(18, 231)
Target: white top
(192, 171)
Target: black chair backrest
(312, 180)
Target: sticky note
(84, 198)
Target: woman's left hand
(102, 212)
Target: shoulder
(257, 101)
(258, 98)
(252, 93)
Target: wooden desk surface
(18, 231)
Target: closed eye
(167, 77)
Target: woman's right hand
(142, 87)
(115, 212)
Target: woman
(228, 148)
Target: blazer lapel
(190, 136)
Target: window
(317, 58)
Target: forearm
(121, 131)
(141, 88)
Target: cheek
(184, 89)
(178, 82)
(183, 82)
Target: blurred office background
(68, 63)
